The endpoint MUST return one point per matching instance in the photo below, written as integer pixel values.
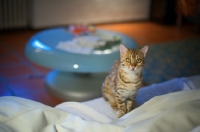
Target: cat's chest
(131, 76)
(127, 77)
(128, 80)
(127, 92)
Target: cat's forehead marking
(131, 55)
(132, 52)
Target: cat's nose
(132, 67)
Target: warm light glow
(75, 66)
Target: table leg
(75, 86)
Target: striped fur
(125, 78)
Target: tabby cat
(125, 78)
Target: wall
(47, 13)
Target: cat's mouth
(133, 68)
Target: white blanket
(144, 94)
(179, 112)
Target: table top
(41, 49)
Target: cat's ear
(122, 49)
(144, 50)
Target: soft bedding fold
(177, 111)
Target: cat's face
(132, 59)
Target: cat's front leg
(129, 105)
(121, 104)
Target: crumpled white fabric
(175, 112)
(81, 45)
(22, 115)
(178, 111)
(85, 44)
(81, 110)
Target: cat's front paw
(114, 106)
(121, 113)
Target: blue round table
(76, 77)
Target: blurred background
(145, 21)
(37, 14)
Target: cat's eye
(128, 60)
(138, 59)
